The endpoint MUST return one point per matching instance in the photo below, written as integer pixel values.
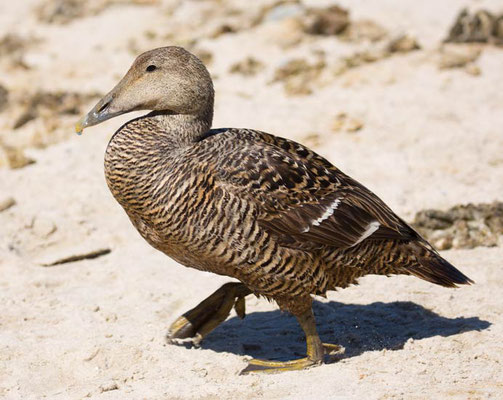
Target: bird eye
(151, 68)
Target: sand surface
(417, 135)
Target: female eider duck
(262, 209)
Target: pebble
(107, 387)
(43, 227)
(457, 56)
(7, 203)
(403, 44)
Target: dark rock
(462, 226)
(249, 67)
(51, 103)
(481, 26)
(4, 98)
(332, 20)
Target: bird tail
(433, 268)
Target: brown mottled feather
(260, 208)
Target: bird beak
(100, 112)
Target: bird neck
(182, 129)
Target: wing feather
(304, 200)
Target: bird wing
(301, 198)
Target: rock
(457, 56)
(370, 55)
(281, 11)
(43, 227)
(229, 19)
(312, 140)
(332, 20)
(443, 243)
(4, 98)
(7, 203)
(481, 26)
(107, 387)
(364, 30)
(92, 355)
(51, 105)
(343, 122)
(111, 317)
(286, 33)
(60, 11)
(298, 76)
(403, 44)
(498, 30)
(13, 157)
(223, 29)
(473, 69)
(65, 11)
(249, 66)
(205, 56)
(12, 44)
(12, 49)
(462, 226)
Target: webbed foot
(211, 312)
(331, 351)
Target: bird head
(167, 79)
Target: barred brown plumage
(262, 209)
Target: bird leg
(211, 312)
(316, 350)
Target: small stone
(43, 227)
(480, 26)
(60, 11)
(66, 11)
(365, 57)
(312, 140)
(332, 20)
(281, 12)
(463, 226)
(364, 30)
(205, 56)
(473, 69)
(107, 387)
(223, 29)
(50, 105)
(498, 30)
(354, 125)
(92, 355)
(13, 157)
(12, 44)
(403, 44)
(4, 97)
(111, 317)
(343, 122)
(299, 75)
(444, 243)
(249, 66)
(7, 203)
(457, 56)
(286, 33)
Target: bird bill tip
(80, 125)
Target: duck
(280, 219)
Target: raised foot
(195, 324)
(332, 351)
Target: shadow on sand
(359, 328)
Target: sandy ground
(428, 138)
